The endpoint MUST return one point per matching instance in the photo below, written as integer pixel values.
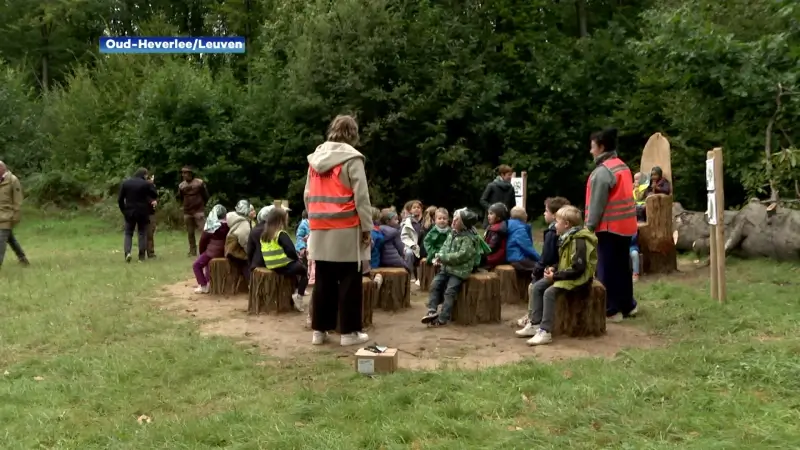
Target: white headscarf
(243, 208)
(212, 221)
(262, 213)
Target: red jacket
(213, 244)
(496, 237)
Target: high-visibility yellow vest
(638, 191)
(273, 253)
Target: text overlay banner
(161, 44)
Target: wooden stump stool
(479, 300)
(656, 243)
(579, 316)
(426, 274)
(395, 292)
(225, 278)
(513, 287)
(369, 291)
(270, 293)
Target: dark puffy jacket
(213, 244)
(498, 191)
(496, 237)
(549, 251)
(392, 250)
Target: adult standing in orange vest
(340, 218)
(611, 215)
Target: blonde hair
(519, 213)
(343, 129)
(277, 220)
(376, 214)
(429, 217)
(571, 215)
(443, 211)
(410, 204)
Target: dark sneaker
(127, 257)
(436, 323)
(24, 261)
(152, 256)
(430, 317)
(192, 254)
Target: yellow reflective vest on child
(566, 252)
(274, 256)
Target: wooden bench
(270, 293)
(225, 278)
(395, 292)
(426, 274)
(580, 316)
(369, 290)
(479, 300)
(656, 243)
(513, 286)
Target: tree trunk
(754, 232)
(580, 12)
(655, 236)
(270, 292)
(426, 274)
(513, 287)
(224, 277)
(395, 292)
(581, 312)
(479, 300)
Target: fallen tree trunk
(757, 231)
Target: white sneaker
(634, 312)
(354, 338)
(523, 321)
(416, 282)
(319, 338)
(297, 299)
(529, 330)
(378, 280)
(616, 318)
(542, 337)
(201, 289)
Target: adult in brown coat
(10, 204)
(193, 193)
(340, 219)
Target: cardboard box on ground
(368, 362)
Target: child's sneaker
(542, 337)
(416, 282)
(523, 321)
(297, 299)
(319, 338)
(354, 338)
(634, 312)
(378, 280)
(430, 317)
(201, 289)
(635, 277)
(616, 318)
(529, 330)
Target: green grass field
(85, 351)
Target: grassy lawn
(85, 352)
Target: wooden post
(716, 213)
(525, 190)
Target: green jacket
(458, 254)
(434, 241)
(577, 258)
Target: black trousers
(139, 223)
(614, 271)
(295, 269)
(337, 295)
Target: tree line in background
(444, 92)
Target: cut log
(513, 285)
(369, 291)
(225, 278)
(270, 292)
(479, 300)
(656, 244)
(395, 292)
(581, 312)
(754, 232)
(426, 274)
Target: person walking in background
(151, 227)
(136, 198)
(340, 218)
(611, 215)
(499, 190)
(193, 194)
(10, 213)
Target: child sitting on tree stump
(428, 222)
(496, 236)
(436, 237)
(410, 230)
(577, 261)
(520, 252)
(457, 258)
(280, 255)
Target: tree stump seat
(426, 274)
(581, 312)
(270, 292)
(225, 278)
(479, 300)
(656, 242)
(369, 291)
(395, 292)
(513, 285)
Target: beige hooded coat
(342, 245)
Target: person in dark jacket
(279, 254)
(253, 249)
(499, 190)
(136, 197)
(151, 228)
(496, 235)
(392, 249)
(212, 245)
(193, 194)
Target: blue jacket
(302, 234)
(392, 248)
(520, 242)
(377, 247)
(635, 242)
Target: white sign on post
(710, 174)
(712, 208)
(517, 183)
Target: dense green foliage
(444, 91)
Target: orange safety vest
(331, 204)
(619, 217)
